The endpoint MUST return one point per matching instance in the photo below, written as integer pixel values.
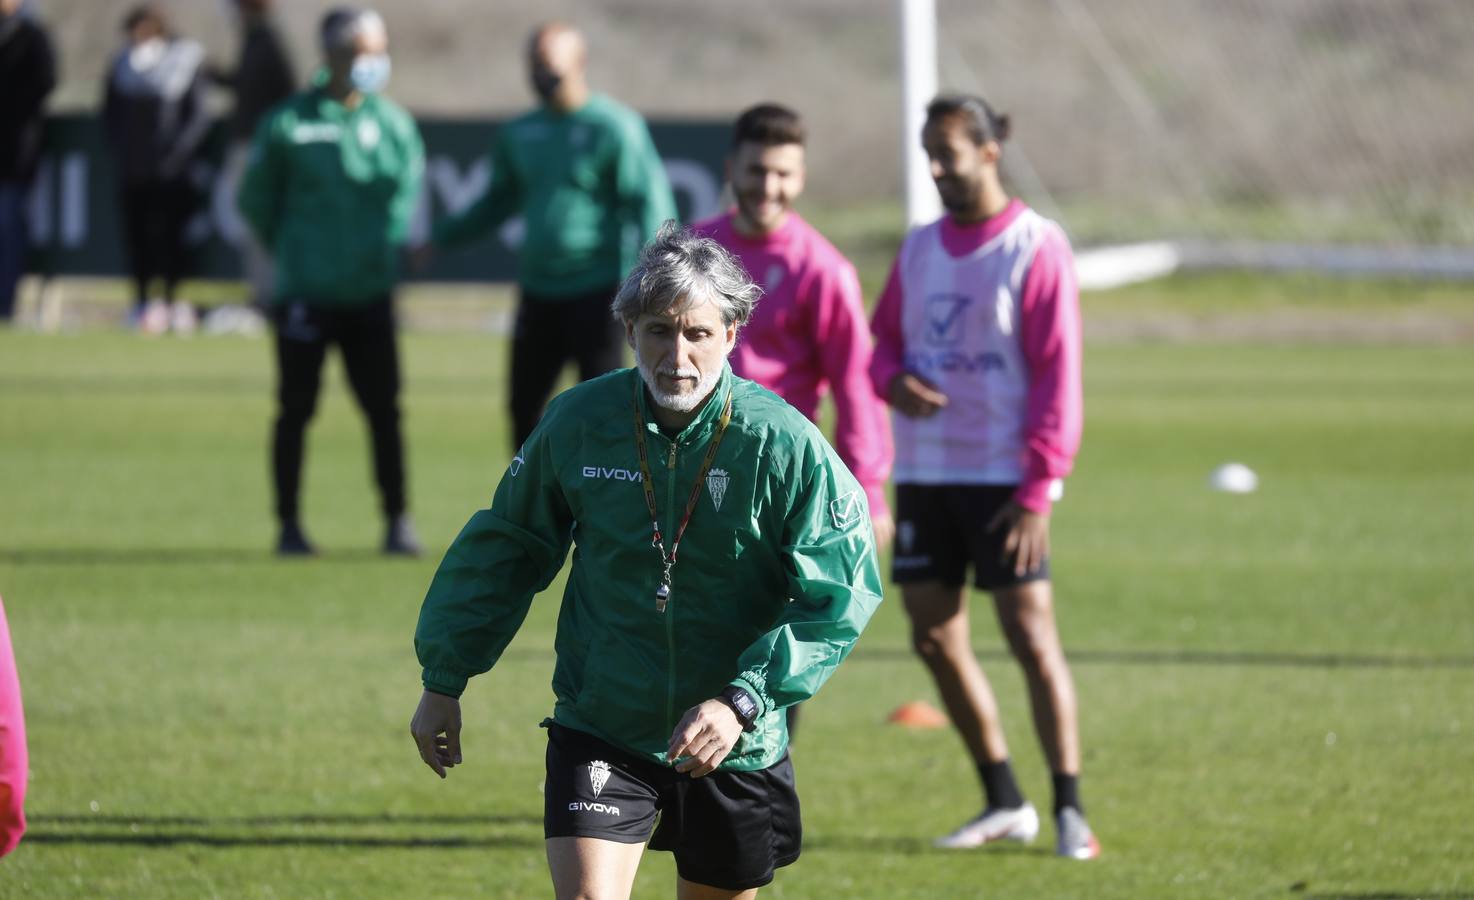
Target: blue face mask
(370, 72)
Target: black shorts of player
(941, 528)
(729, 830)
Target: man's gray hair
(343, 24)
(680, 269)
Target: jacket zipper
(670, 616)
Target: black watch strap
(742, 704)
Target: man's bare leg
(941, 635)
(592, 869)
(690, 890)
(1026, 616)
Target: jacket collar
(706, 419)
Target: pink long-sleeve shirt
(807, 335)
(14, 763)
(989, 313)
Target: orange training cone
(918, 714)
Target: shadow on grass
(905, 846)
(1391, 895)
(280, 840)
(155, 831)
(1229, 658)
(268, 821)
(177, 556)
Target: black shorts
(728, 830)
(940, 528)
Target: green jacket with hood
(775, 578)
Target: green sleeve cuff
(439, 681)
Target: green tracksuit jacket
(590, 187)
(775, 578)
(329, 191)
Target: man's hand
(1027, 543)
(705, 734)
(436, 729)
(913, 396)
(885, 530)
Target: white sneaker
(182, 318)
(1075, 839)
(1015, 824)
(154, 319)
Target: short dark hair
(146, 12)
(768, 124)
(342, 24)
(983, 124)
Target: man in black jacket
(28, 73)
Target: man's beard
(751, 209)
(681, 403)
(964, 197)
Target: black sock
(999, 786)
(1067, 792)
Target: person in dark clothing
(28, 73)
(155, 118)
(262, 78)
(583, 172)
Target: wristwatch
(742, 704)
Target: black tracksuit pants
(364, 334)
(549, 332)
(155, 217)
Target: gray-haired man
(330, 188)
(725, 567)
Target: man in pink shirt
(808, 335)
(978, 350)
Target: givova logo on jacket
(613, 472)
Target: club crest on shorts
(716, 485)
(598, 774)
(906, 535)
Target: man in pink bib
(978, 350)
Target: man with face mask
(675, 656)
(332, 182)
(583, 172)
(155, 117)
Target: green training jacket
(775, 578)
(590, 187)
(329, 191)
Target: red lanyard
(668, 560)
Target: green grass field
(1277, 689)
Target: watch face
(745, 704)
